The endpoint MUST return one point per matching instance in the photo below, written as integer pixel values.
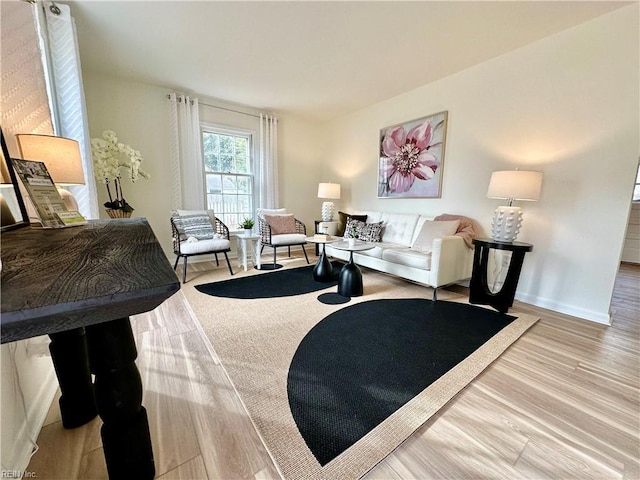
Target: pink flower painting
(411, 157)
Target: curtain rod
(223, 108)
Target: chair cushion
(367, 232)
(342, 221)
(288, 239)
(204, 246)
(281, 224)
(432, 230)
(193, 224)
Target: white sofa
(449, 261)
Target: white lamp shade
(329, 190)
(515, 184)
(60, 155)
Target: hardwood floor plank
(61, 451)
(165, 380)
(191, 470)
(230, 445)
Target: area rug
(257, 339)
(350, 373)
(283, 283)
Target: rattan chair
(270, 239)
(198, 232)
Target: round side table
(248, 249)
(350, 279)
(479, 292)
(323, 271)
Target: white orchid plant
(109, 157)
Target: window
(228, 174)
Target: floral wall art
(412, 157)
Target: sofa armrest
(451, 261)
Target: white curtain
(58, 33)
(187, 189)
(268, 162)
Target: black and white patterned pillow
(367, 232)
(193, 225)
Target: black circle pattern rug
(362, 363)
(282, 283)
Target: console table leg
(118, 388)
(71, 362)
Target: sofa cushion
(367, 232)
(281, 223)
(432, 230)
(398, 228)
(375, 252)
(408, 257)
(342, 221)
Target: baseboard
(36, 415)
(582, 313)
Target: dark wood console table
(479, 292)
(79, 285)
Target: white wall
(566, 105)
(28, 387)
(139, 114)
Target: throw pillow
(367, 232)
(342, 221)
(281, 224)
(195, 224)
(468, 229)
(431, 230)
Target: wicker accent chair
(198, 232)
(270, 238)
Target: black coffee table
(350, 279)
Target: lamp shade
(515, 185)
(329, 190)
(60, 155)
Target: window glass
(228, 173)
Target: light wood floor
(561, 403)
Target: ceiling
(319, 60)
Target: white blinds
(23, 92)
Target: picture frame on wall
(411, 158)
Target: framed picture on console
(411, 157)
(13, 212)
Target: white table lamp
(62, 158)
(511, 185)
(332, 191)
